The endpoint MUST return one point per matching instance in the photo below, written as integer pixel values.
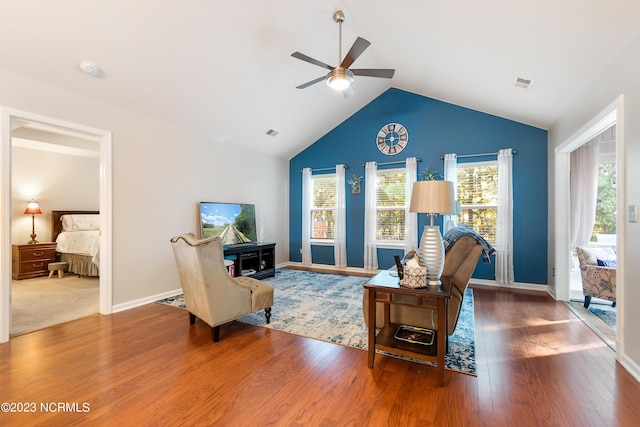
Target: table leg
(372, 327)
(442, 339)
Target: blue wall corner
(435, 128)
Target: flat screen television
(235, 223)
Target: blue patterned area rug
(328, 307)
(606, 313)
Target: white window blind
(478, 196)
(390, 205)
(323, 209)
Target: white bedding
(80, 242)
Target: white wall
(160, 172)
(620, 78)
(56, 181)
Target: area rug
(328, 307)
(606, 313)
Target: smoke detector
(523, 83)
(89, 68)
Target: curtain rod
(418, 160)
(479, 155)
(325, 169)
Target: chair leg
(614, 304)
(267, 313)
(215, 333)
(192, 318)
(587, 301)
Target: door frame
(105, 184)
(612, 114)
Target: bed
(77, 235)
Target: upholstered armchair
(209, 292)
(598, 272)
(459, 262)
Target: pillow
(611, 263)
(80, 222)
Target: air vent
(523, 83)
(272, 132)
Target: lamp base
(33, 240)
(431, 254)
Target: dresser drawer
(32, 254)
(38, 266)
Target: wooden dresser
(32, 260)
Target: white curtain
(370, 250)
(451, 174)
(340, 237)
(307, 198)
(584, 192)
(504, 229)
(410, 218)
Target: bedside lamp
(33, 209)
(432, 197)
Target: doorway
(610, 116)
(9, 119)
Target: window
(323, 208)
(605, 221)
(478, 197)
(390, 205)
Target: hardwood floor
(538, 365)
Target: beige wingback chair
(597, 281)
(459, 262)
(209, 292)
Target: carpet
(328, 307)
(606, 313)
(42, 302)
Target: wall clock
(392, 139)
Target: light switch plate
(633, 213)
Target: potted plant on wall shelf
(355, 183)
(430, 175)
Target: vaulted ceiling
(226, 67)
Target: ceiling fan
(341, 77)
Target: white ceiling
(225, 67)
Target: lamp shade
(32, 208)
(433, 197)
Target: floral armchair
(598, 271)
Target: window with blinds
(478, 196)
(323, 209)
(390, 204)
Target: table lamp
(432, 197)
(33, 209)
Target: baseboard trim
(515, 285)
(146, 300)
(632, 367)
(331, 268)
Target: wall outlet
(633, 213)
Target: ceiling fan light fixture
(340, 78)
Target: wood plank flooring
(538, 365)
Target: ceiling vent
(523, 83)
(272, 132)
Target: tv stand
(256, 260)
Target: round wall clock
(392, 139)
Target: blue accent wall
(435, 128)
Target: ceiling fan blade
(312, 82)
(310, 60)
(356, 50)
(348, 92)
(375, 72)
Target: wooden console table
(384, 288)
